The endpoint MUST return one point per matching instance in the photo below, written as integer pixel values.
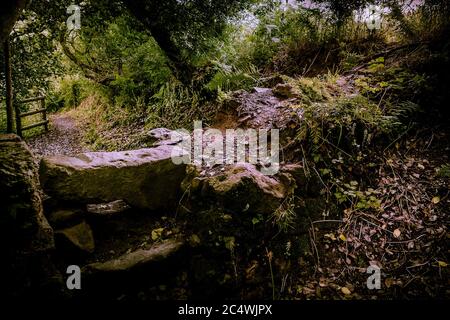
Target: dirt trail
(63, 138)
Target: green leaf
(157, 233)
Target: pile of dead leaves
(407, 237)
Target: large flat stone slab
(145, 178)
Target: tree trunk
(9, 13)
(148, 15)
(9, 89)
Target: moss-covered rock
(22, 221)
(26, 238)
(242, 188)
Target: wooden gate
(20, 116)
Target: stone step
(138, 258)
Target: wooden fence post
(20, 116)
(18, 120)
(44, 114)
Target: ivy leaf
(442, 264)
(194, 240)
(230, 243)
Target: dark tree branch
(90, 71)
(9, 13)
(149, 15)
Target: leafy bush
(68, 92)
(229, 78)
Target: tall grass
(176, 106)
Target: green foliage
(2, 117)
(145, 68)
(184, 29)
(68, 92)
(444, 171)
(229, 78)
(127, 61)
(284, 217)
(340, 122)
(349, 59)
(360, 200)
(311, 90)
(34, 59)
(394, 86)
(395, 78)
(294, 41)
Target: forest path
(63, 138)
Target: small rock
(272, 81)
(9, 138)
(160, 134)
(80, 236)
(163, 136)
(108, 209)
(262, 90)
(285, 90)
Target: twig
(312, 238)
(331, 144)
(418, 265)
(325, 221)
(269, 257)
(375, 225)
(312, 63)
(406, 241)
(398, 138)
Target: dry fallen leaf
(330, 235)
(346, 291)
(389, 282)
(342, 237)
(436, 200)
